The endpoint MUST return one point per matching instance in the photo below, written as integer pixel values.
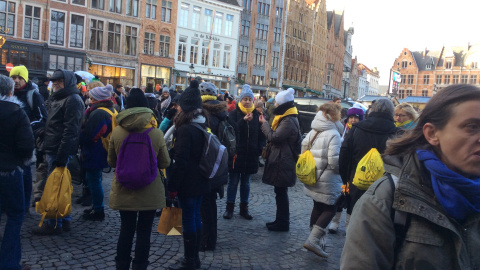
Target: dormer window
(428, 66)
(474, 65)
(448, 65)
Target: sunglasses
(58, 80)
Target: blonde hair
(331, 111)
(408, 109)
(94, 84)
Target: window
(402, 93)
(474, 65)
(258, 80)
(217, 23)
(115, 6)
(260, 56)
(149, 43)
(98, 4)
(57, 26)
(113, 40)
(276, 34)
(194, 50)
(438, 80)
(245, 28)
(473, 79)
(247, 4)
(404, 64)
(278, 12)
(183, 16)
(31, 27)
(76, 31)
(410, 79)
(286, 72)
(151, 9)
(130, 40)
(132, 8)
(243, 54)
(182, 49)
(464, 79)
(7, 17)
(79, 2)
(56, 61)
(301, 18)
(409, 92)
(262, 31)
(96, 35)
(241, 76)
(294, 32)
(263, 9)
(229, 25)
(448, 65)
(403, 79)
(426, 79)
(205, 53)
(428, 66)
(447, 79)
(166, 11)
(196, 17)
(424, 93)
(164, 45)
(455, 79)
(208, 20)
(226, 56)
(216, 55)
(275, 59)
(273, 82)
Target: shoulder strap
(148, 131)
(107, 110)
(30, 97)
(310, 144)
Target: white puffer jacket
(325, 150)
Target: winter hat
(285, 96)
(355, 112)
(165, 89)
(190, 99)
(136, 98)
(100, 93)
(20, 71)
(207, 88)
(246, 92)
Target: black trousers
(283, 208)
(208, 213)
(135, 221)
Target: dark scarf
(458, 195)
(102, 103)
(281, 109)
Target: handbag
(266, 150)
(170, 221)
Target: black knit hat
(136, 98)
(190, 99)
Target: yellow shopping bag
(306, 168)
(369, 170)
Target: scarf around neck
(245, 110)
(458, 195)
(165, 103)
(278, 117)
(208, 98)
(397, 124)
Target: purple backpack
(136, 163)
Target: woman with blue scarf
(425, 212)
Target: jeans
(12, 201)
(191, 220)
(143, 226)
(27, 185)
(283, 209)
(94, 182)
(233, 180)
(57, 222)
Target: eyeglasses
(400, 115)
(58, 80)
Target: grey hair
(383, 105)
(6, 85)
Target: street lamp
(346, 74)
(192, 69)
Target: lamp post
(192, 69)
(346, 74)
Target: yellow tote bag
(369, 170)
(305, 168)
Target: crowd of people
(422, 214)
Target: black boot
(271, 223)
(139, 265)
(189, 246)
(244, 211)
(198, 263)
(229, 211)
(122, 264)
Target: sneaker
(67, 225)
(94, 215)
(47, 229)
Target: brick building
(318, 48)
(425, 72)
(335, 55)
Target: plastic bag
(369, 170)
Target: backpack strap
(148, 130)
(310, 143)
(30, 98)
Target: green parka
(151, 197)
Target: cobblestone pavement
(242, 244)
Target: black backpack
(226, 135)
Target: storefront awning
(294, 87)
(315, 92)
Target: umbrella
(86, 76)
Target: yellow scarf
(349, 126)
(153, 123)
(245, 110)
(397, 124)
(277, 118)
(207, 98)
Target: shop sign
(214, 38)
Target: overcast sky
(384, 27)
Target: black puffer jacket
(16, 136)
(248, 133)
(37, 112)
(65, 116)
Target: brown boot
(229, 211)
(244, 211)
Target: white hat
(285, 96)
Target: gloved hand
(172, 195)
(58, 163)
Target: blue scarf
(458, 195)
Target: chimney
(425, 53)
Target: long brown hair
(182, 118)
(331, 111)
(437, 112)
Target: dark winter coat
(16, 136)
(247, 138)
(187, 152)
(37, 112)
(43, 89)
(281, 162)
(98, 125)
(364, 135)
(65, 116)
(154, 105)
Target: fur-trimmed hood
(216, 107)
(12, 99)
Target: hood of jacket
(134, 119)
(376, 122)
(8, 105)
(217, 108)
(70, 85)
(321, 123)
(11, 99)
